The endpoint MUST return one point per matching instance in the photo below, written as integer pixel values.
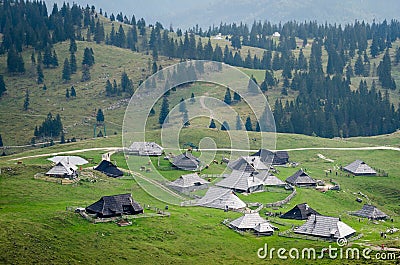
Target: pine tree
(100, 116)
(212, 124)
(228, 98)
(185, 119)
(3, 87)
(66, 73)
(73, 92)
(258, 129)
(225, 126)
(359, 66)
(26, 101)
(192, 99)
(62, 138)
(72, 62)
(182, 106)
(54, 59)
(152, 112)
(1, 141)
(164, 111)
(40, 75)
(85, 73)
(109, 88)
(236, 97)
(248, 125)
(72, 45)
(88, 57)
(238, 123)
(47, 57)
(67, 94)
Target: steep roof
(271, 180)
(370, 211)
(248, 164)
(186, 161)
(109, 169)
(264, 228)
(146, 148)
(325, 226)
(221, 198)
(359, 167)
(248, 221)
(301, 178)
(114, 205)
(74, 160)
(188, 180)
(300, 212)
(239, 180)
(62, 169)
(274, 158)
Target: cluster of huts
(248, 174)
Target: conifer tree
(248, 125)
(164, 111)
(26, 101)
(225, 126)
(72, 62)
(100, 116)
(40, 75)
(1, 141)
(228, 98)
(73, 92)
(66, 73)
(182, 106)
(3, 87)
(238, 123)
(212, 124)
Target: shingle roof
(74, 160)
(114, 205)
(271, 180)
(264, 228)
(239, 180)
(325, 226)
(300, 212)
(109, 169)
(145, 148)
(301, 178)
(359, 167)
(62, 169)
(188, 180)
(274, 158)
(221, 198)
(186, 161)
(248, 164)
(248, 221)
(370, 211)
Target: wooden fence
(282, 202)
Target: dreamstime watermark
(197, 103)
(338, 251)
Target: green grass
(33, 219)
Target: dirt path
(203, 105)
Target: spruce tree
(73, 92)
(228, 98)
(1, 141)
(212, 124)
(67, 94)
(225, 126)
(192, 99)
(85, 73)
(236, 97)
(182, 106)
(54, 60)
(164, 111)
(72, 45)
(100, 116)
(66, 73)
(248, 125)
(72, 62)
(109, 88)
(40, 75)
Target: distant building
(241, 181)
(273, 158)
(252, 221)
(359, 168)
(276, 34)
(370, 212)
(221, 198)
(116, 205)
(145, 149)
(271, 180)
(300, 212)
(326, 227)
(109, 169)
(248, 164)
(188, 183)
(301, 179)
(63, 170)
(186, 161)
